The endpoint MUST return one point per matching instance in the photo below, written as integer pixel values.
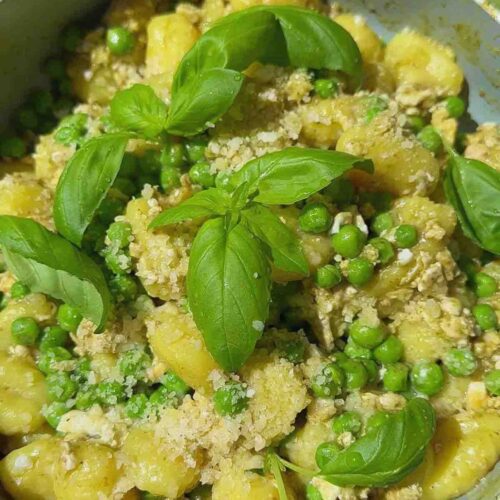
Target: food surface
(252, 256)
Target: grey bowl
(29, 28)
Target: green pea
(27, 118)
(312, 493)
(25, 331)
(55, 69)
(173, 155)
(384, 248)
(359, 271)
(492, 382)
(120, 234)
(123, 287)
(415, 123)
(60, 386)
(340, 191)
(70, 38)
(382, 222)
(162, 397)
(372, 370)
(170, 178)
(349, 421)
(377, 420)
(355, 351)
(12, 147)
(120, 40)
(375, 106)
(83, 369)
(484, 285)
(355, 374)
(86, 398)
(19, 290)
(329, 382)
(110, 393)
(395, 377)
(328, 276)
(460, 362)
(427, 377)
(367, 336)
(485, 316)
(325, 453)
(230, 399)
(195, 148)
(134, 363)
(406, 236)
(53, 336)
(292, 350)
(150, 163)
(110, 208)
(223, 180)
(389, 351)
(349, 241)
(430, 139)
(42, 102)
(63, 106)
(65, 87)
(136, 407)
(68, 317)
(117, 261)
(455, 106)
(53, 413)
(326, 87)
(47, 362)
(200, 174)
(67, 136)
(315, 218)
(174, 384)
(125, 186)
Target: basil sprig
(388, 453)
(210, 76)
(49, 264)
(229, 276)
(85, 182)
(473, 189)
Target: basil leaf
(294, 173)
(388, 453)
(285, 247)
(85, 182)
(139, 110)
(214, 201)
(47, 263)
(228, 287)
(473, 189)
(209, 77)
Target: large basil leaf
(209, 77)
(228, 290)
(284, 245)
(47, 263)
(388, 453)
(473, 189)
(215, 201)
(85, 182)
(139, 110)
(294, 173)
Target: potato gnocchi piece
(28, 472)
(154, 467)
(92, 472)
(402, 165)
(420, 62)
(23, 394)
(178, 343)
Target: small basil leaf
(139, 110)
(47, 263)
(387, 454)
(85, 182)
(473, 189)
(285, 247)
(209, 76)
(294, 173)
(239, 197)
(214, 201)
(228, 287)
